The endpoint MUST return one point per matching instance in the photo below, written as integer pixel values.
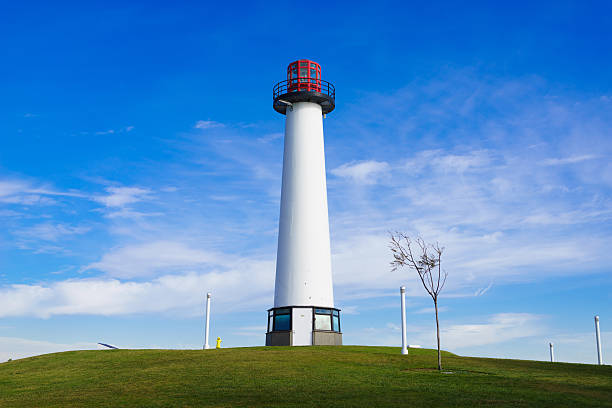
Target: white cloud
(569, 160)
(365, 172)
(427, 310)
(247, 283)
(350, 310)
(270, 137)
(121, 196)
(462, 163)
(113, 131)
(444, 162)
(11, 213)
(25, 193)
(360, 266)
(224, 197)
(128, 213)
(20, 192)
(9, 188)
(50, 231)
(14, 347)
(498, 329)
(360, 262)
(207, 124)
(154, 258)
(361, 269)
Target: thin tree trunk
(438, 335)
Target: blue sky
(140, 166)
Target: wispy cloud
(26, 193)
(10, 188)
(498, 329)
(454, 163)
(245, 284)
(350, 310)
(125, 129)
(131, 214)
(208, 124)
(365, 172)
(270, 137)
(154, 258)
(455, 337)
(426, 310)
(569, 160)
(121, 196)
(495, 329)
(476, 186)
(50, 232)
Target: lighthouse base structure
(303, 326)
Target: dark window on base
(282, 322)
(279, 320)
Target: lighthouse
(303, 312)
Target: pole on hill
(206, 345)
(552, 352)
(598, 339)
(403, 296)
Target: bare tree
(427, 263)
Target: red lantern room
(304, 84)
(304, 75)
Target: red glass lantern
(304, 75)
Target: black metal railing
(304, 84)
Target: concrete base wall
(326, 339)
(279, 339)
(318, 339)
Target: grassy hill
(347, 376)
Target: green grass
(347, 376)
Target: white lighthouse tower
(303, 312)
